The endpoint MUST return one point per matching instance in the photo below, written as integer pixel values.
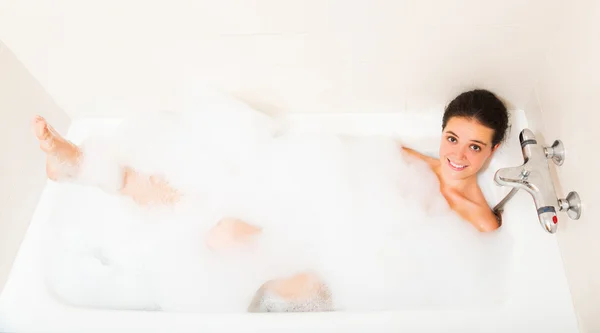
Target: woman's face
(466, 146)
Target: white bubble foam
(367, 219)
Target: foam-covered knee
(230, 232)
(302, 293)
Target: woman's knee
(230, 232)
(304, 292)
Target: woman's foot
(62, 156)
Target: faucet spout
(512, 177)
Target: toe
(43, 133)
(40, 128)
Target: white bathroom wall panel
(567, 91)
(22, 172)
(109, 57)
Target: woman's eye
(451, 139)
(475, 147)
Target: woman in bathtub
(474, 124)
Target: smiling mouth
(456, 167)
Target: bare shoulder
(430, 160)
(472, 206)
(476, 195)
(493, 219)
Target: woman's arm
(411, 152)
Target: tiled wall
(281, 55)
(22, 171)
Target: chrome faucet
(534, 177)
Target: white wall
(22, 168)
(105, 57)
(568, 92)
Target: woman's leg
(298, 293)
(301, 292)
(63, 161)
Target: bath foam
(367, 219)
(383, 235)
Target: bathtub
(538, 298)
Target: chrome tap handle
(572, 205)
(556, 152)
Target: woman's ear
(495, 147)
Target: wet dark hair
(482, 106)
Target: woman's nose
(461, 152)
